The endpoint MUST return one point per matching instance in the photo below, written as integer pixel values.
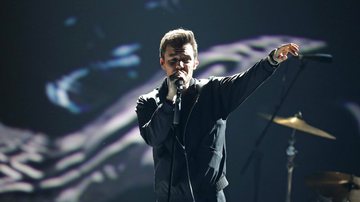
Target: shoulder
(152, 95)
(211, 81)
(202, 82)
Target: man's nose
(180, 65)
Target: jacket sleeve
(155, 121)
(229, 92)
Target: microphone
(179, 84)
(317, 57)
(179, 87)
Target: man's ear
(196, 63)
(162, 62)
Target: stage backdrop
(71, 72)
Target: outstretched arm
(231, 91)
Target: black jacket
(200, 154)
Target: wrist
(271, 58)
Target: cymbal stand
(291, 153)
(277, 108)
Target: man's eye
(172, 62)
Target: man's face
(179, 62)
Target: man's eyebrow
(173, 54)
(182, 54)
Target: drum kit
(330, 186)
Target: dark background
(36, 48)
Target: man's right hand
(172, 88)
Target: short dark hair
(177, 38)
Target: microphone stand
(176, 122)
(291, 153)
(257, 175)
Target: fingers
(294, 49)
(283, 51)
(282, 56)
(177, 75)
(289, 48)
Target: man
(189, 150)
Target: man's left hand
(281, 53)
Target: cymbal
(299, 124)
(335, 185)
